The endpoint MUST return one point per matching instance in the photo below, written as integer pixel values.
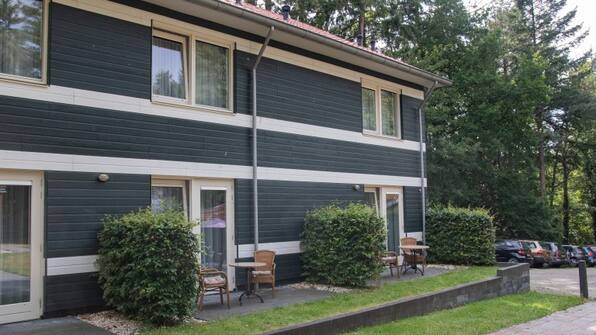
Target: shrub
(342, 246)
(460, 236)
(148, 265)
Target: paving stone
(55, 326)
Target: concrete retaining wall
(510, 279)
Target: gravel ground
(113, 322)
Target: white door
(213, 206)
(20, 245)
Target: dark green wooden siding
(313, 153)
(98, 53)
(288, 268)
(291, 93)
(282, 206)
(71, 294)
(76, 204)
(412, 209)
(38, 126)
(410, 126)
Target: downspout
(255, 178)
(427, 95)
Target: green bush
(148, 265)
(460, 236)
(342, 246)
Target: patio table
(250, 267)
(415, 249)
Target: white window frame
(377, 86)
(44, 53)
(174, 183)
(175, 38)
(191, 35)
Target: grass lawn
(18, 263)
(335, 304)
(480, 317)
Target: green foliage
(460, 236)
(148, 265)
(342, 246)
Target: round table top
(414, 247)
(248, 264)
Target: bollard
(583, 279)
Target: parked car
(574, 253)
(554, 257)
(537, 252)
(511, 251)
(589, 256)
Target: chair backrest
(267, 257)
(407, 241)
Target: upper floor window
(191, 70)
(380, 110)
(22, 39)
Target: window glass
(167, 197)
(369, 109)
(21, 25)
(389, 113)
(168, 76)
(213, 228)
(212, 73)
(371, 200)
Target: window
(203, 79)
(369, 109)
(380, 110)
(169, 194)
(212, 73)
(22, 39)
(168, 65)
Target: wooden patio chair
(213, 280)
(265, 274)
(412, 258)
(390, 259)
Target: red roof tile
(307, 27)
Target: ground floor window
(169, 194)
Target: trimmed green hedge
(460, 236)
(342, 246)
(148, 265)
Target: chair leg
(201, 301)
(391, 269)
(221, 295)
(273, 288)
(228, 296)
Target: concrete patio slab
(288, 295)
(561, 281)
(55, 326)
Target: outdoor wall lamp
(103, 177)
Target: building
(111, 106)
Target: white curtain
(21, 24)
(212, 75)
(389, 112)
(168, 68)
(369, 109)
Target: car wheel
(513, 260)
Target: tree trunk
(565, 199)
(361, 25)
(553, 184)
(541, 160)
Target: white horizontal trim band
(280, 248)
(70, 265)
(79, 163)
(73, 96)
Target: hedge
(460, 236)
(148, 265)
(343, 245)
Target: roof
(323, 33)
